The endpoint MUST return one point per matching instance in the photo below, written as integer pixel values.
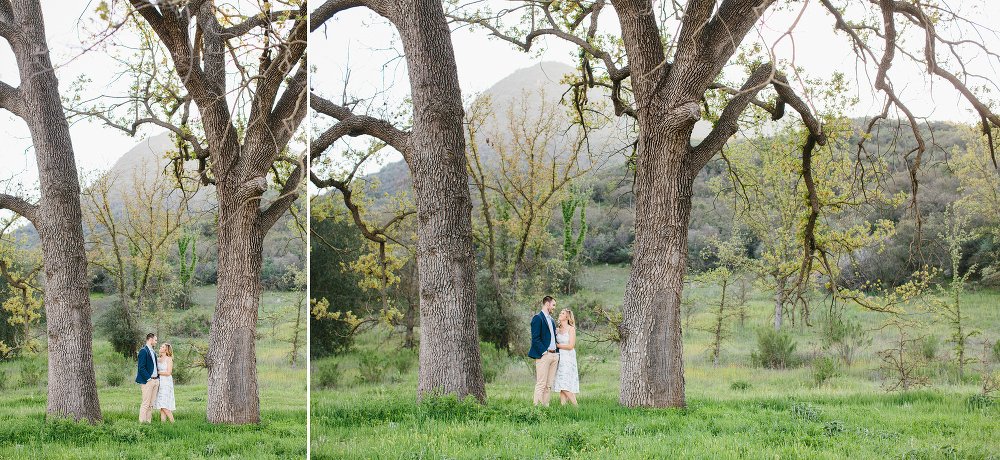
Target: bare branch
(10, 99)
(259, 20)
(354, 125)
(331, 7)
(20, 206)
(726, 126)
(289, 193)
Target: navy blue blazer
(147, 364)
(540, 337)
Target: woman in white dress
(567, 381)
(165, 397)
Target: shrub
(31, 373)
(372, 367)
(834, 427)
(193, 325)
(183, 371)
(179, 297)
(775, 349)
(403, 360)
(573, 440)
(493, 362)
(824, 368)
(329, 336)
(929, 346)
(978, 401)
(118, 371)
(124, 335)
(583, 309)
(806, 411)
(497, 327)
(844, 337)
(741, 385)
(328, 374)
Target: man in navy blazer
(543, 349)
(148, 378)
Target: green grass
(734, 410)
(388, 422)
(24, 432)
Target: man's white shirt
(153, 355)
(552, 333)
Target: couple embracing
(554, 348)
(156, 380)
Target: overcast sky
(362, 42)
(96, 147)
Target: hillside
(523, 92)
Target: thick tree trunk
(449, 342)
(233, 396)
(652, 355)
(72, 386)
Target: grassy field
(734, 410)
(24, 432)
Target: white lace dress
(165, 397)
(567, 375)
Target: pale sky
(96, 147)
(360, 41)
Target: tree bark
(652, 354)
(232, 365)
(72, 386)
(667, 99)
(449, 342)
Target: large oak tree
(661, 70)
(434, 150)
(232, 90)
(72, 386)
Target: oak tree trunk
(72, 386)
(449, 342)
(667, 105)
(233, 395)
(652, 356)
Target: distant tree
(334, 243)
(732, 264)
(980, 187)
(20, 300)
(133, 224)
(765, 190)
(535, 158)
(57, 216)
(951, 309)
(520, 166)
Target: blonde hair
(170, 349)
(569, 317)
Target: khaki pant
(149, 390)
(545, 373)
